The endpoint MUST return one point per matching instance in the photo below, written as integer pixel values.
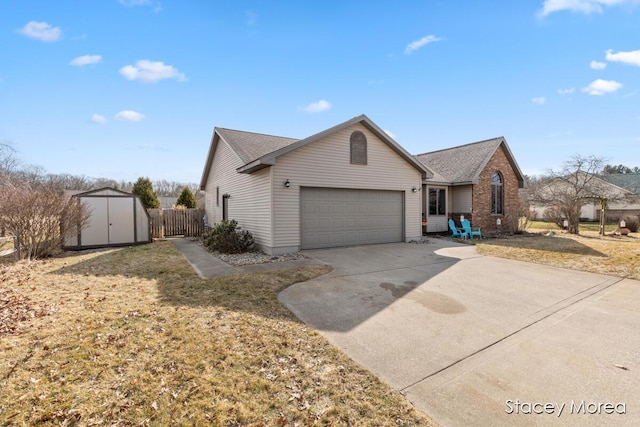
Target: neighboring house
(628, 181)
(622, 201)
(479, 181)
(348, 185)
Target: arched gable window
(358, 148)
(497, 194)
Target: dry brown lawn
(613, 255)
(133, 337)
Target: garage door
(333, 217)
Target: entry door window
(437, 201)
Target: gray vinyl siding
(461, 198)
(250, 201)
(142, 222)
(326, 163)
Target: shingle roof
(461, 164)
(258, 151)
(251, 146)
(628, 181)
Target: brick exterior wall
(482, 216)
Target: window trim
(497, 194)
(440, 201)
(358, 148)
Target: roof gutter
(256, 165)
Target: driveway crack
(404, 389)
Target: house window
(496, 194)
(358, 148)
(437, 201)
(217, 196)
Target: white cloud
(391, 134)
(415, 45)
(561, 134)
(133, 3)
(601, 87)
(41, 31)
(129, 116)
(317, 107)
(97, 118)
(151, 72)
(583, 6)
(252, 18)
(630, 58)
(568, 91)
(595, 65)
(81, 61)
(539, 100)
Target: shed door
(121, 228)
(96, 232)
(332, 217)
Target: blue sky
(127, 88)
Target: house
(621, 200)
(631, 203)
(479, 181)
(351, 184)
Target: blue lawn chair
(456, 231)
(471, 231)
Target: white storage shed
(116, 218)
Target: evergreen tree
(144, 189)
(187, 199)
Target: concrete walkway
(207, 266)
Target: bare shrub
(632, 222)
(39, 214)
(555, 215)
(524, 222)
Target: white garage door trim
(333, 217)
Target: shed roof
(104, 191)
(464, 163)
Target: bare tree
(172, 188)
(39, 214)
(9, 163)
(567, 190)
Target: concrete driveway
(475, 340)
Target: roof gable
(464, 163)
(258, 151)
(249, 146)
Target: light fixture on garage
(287, 183)
(414, 189)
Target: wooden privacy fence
(176, 222)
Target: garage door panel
(342, 217)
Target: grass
(583, 227)
(133, 337)
(613, 255)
